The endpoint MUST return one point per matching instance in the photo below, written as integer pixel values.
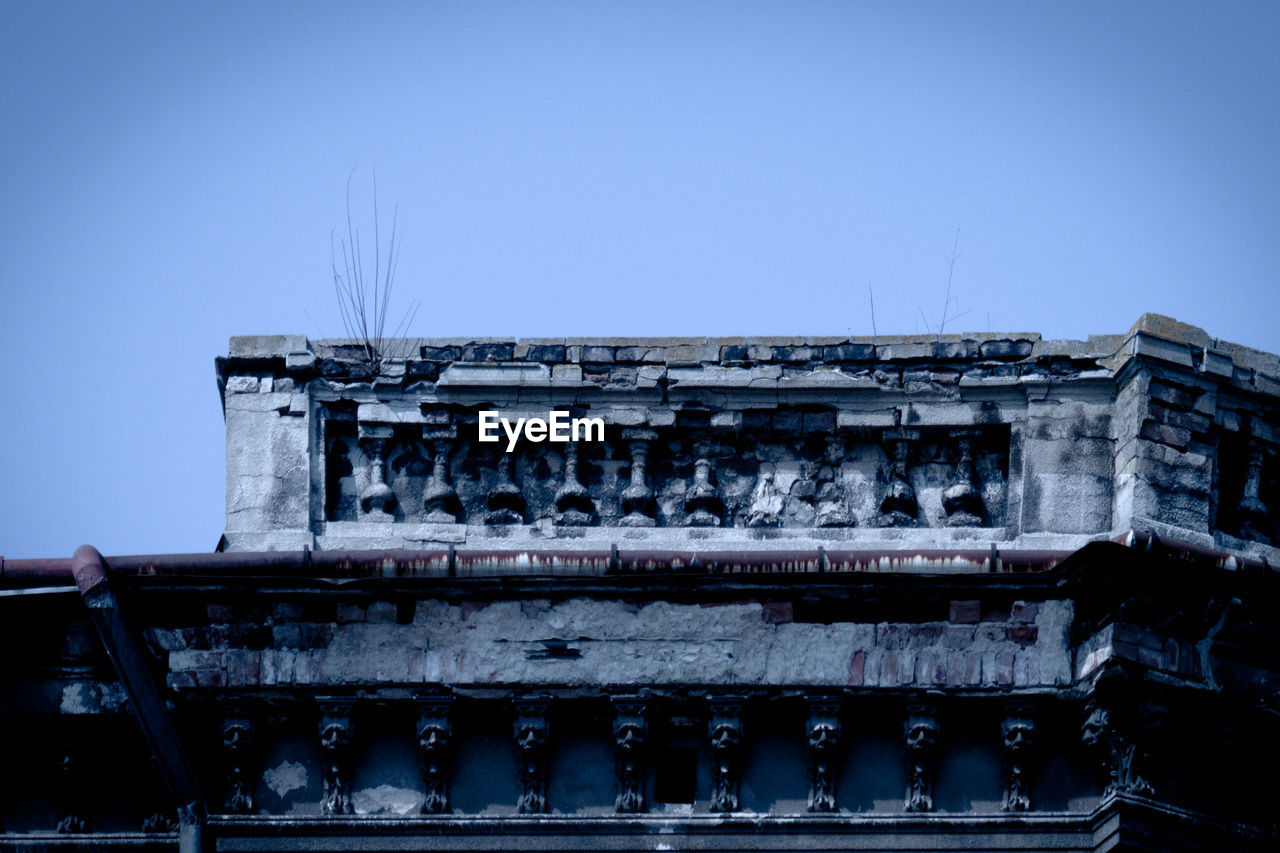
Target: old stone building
(898, 593)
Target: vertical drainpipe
(124, 647)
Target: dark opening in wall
(676, 775)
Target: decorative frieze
(670, 477)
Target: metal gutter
(455, 562)
(125, 650)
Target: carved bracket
(630, 733)
(335, 744)
(823, 738)
(921, 735)
(237, 741)
(1116, 730)
(1017, 736)
(532, 731)
(71, 778)
(725, 732)
(435, 739)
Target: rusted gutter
(530, 562)
(125, 650)
(1149, 541)
(454, 562)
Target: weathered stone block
(1170, 395)
(1172, 436)
(540, 352)
(488, 352)
(597, 355)
(430, 353)
(849, 352)
(689, 354)
(1005, 349)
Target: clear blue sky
(172, 173)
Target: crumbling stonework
(878, 443)
(958, 592)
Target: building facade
(901, 593)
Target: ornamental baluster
(637, 498)
(574, 507)
(899, 507)
(377, 500)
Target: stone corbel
(532, 731)
(921, 736)
(898, 508)
(435, 740)
(237, 743)
(630, 733)
(377, 501)
(1017, 738)
(336, 746)
(71, 781)
(724, 730)
(1116, 730)
(823, 738)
